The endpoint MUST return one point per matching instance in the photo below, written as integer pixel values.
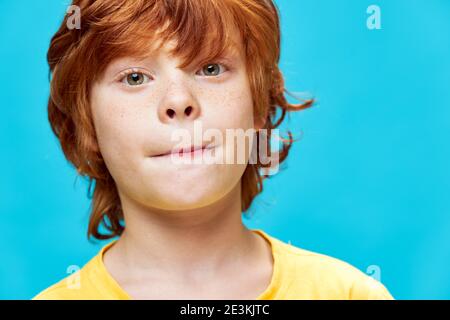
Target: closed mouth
(186, 151)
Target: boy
(135, 74)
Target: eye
(213, 69)
(134, 78)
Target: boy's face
(135, 115)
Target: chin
(182, 204)
(183, 198)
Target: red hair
(112, 29)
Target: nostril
(188, 111)
(170, 113)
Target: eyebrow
(234, 47)
(232, 51)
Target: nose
(178, 105)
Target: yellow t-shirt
(297, 274)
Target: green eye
(135, 78)
(212, 69)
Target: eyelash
(124, 74)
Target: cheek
(120, 129)
(230, 107)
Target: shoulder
(76, 286)
(65, 289)
(319, 276)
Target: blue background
(367, 183)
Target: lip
(186, 150)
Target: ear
(259, 122)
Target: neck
(188, 243)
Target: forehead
(210, 48)
(193, 34)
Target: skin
(184, 236)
